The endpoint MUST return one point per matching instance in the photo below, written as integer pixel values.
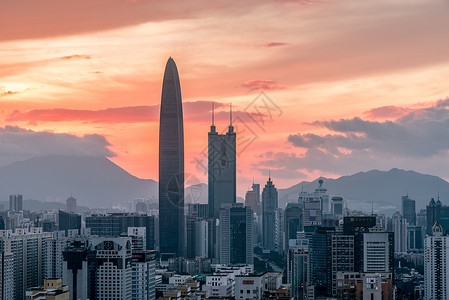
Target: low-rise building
(53, 289)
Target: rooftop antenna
(213, 113)
(230, 114)
(212, 127)
(231, 128)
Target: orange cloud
(75, 56)
(134, 114)
(387, 112)
(8, 93)
(269, 85)
(275, 44)
(198, 111)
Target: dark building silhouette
(69, 221)
(15, 202)
(409, 210)
(48, 226)
(319, 256)
(337, 205)
(269, 213)
(293, 221)
(76, 272)
(198, 210)
(435, 211)
(116, 224)
(360, 247)
(221, 168)
(236, 234)
(171, 165)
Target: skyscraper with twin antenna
(171, 165)
(221, 167)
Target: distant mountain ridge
(98, 182)
(383, 189)
(94, 181)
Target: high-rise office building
(298, 267)
(116, 224)
(337, 205)
(138, 237)
(341, 258)
(53, 258)
(270, 216)
(76, 273)
(113, 260)
(16, 202)
(197, 238)
(359, 246)
(399, 227)
(437, 212)
(421, 220)
(171, 165)
(436, 264)
(256, 188)
(69, 221)
(222, 158)
(377, 252)
(321, 193)
(26, 246)
(319, 256)
(143, 275)
(293, 221)
(311, 211)
(7, 275)
(415, 239)
(198, 210)
(71, 204)
(409, 210)
(251, 200)
(236, 234)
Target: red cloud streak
(275, 44)
(198, 111)
(75, 56)
(268, 85)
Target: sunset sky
(348, 85)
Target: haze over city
(357, 85)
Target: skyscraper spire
(221, 165)
(231, 128)
(230, 114)
(212, 127)
(171, 164)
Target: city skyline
(345, 88)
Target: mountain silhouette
(381, 189)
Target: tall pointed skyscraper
(221, 167)
(270, 217)
(171, 165)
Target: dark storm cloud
(419, 139)
(19, 144)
